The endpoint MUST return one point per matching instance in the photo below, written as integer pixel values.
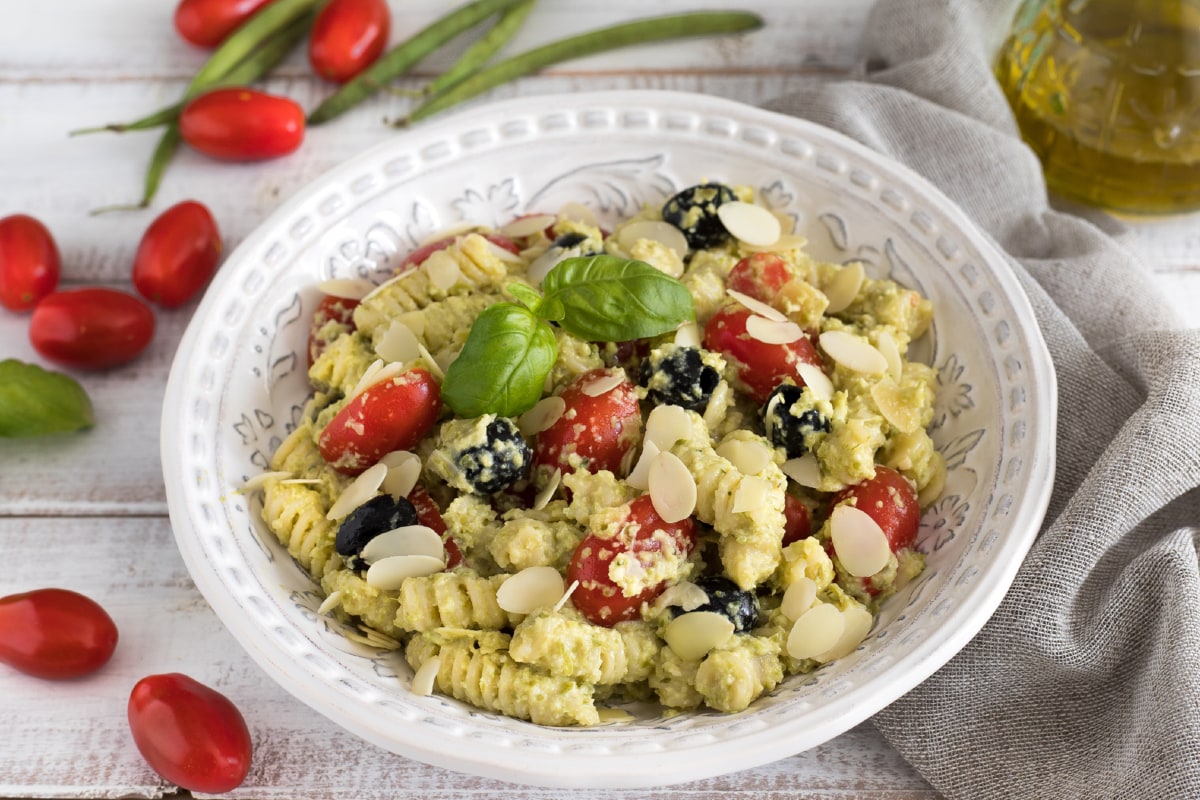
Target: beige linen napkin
(1086, 682)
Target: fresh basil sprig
(34, 401)
(511, 348)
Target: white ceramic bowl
(238, 384)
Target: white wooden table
(87, 511)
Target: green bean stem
(256, 65)
(642, 31)
(406, 55)
(478, 54)
(241, 44)
(168, 143)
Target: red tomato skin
(394, 414)
(595, 433)
(206, 23)
(418, 256)
(597, 597)
(797, 520)
(429, 515)
(29, 262)
(55, 634)
(93, 328)
(760, 275)
(191, 735)
(239, 124)
(330, 309)
(891, 501)
(760, 366)
(177, 255)
(347, 37)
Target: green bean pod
(168, 143)
(244, 41)
(405, 56)
(478, 54)
(642, 31)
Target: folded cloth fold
(1086, 681)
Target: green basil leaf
(503, 366)
(526, 296)
(34, 401)
(610, 299)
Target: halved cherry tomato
(178, 254)
(93, 328)
(797, 523)
(643, 535)
(889, 499)
(594, 432)
(339, 310)
(206, 23)
(394, 414)
(29, 262)
(55, 633)
(760, 366)
(418, 256)
(347, 37)
(192, 735)
(239, 124)
(429, 515)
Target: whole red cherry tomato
(55, 633)
(760, 366)
(91, 328)
(192, 735)
(177, 255)
(29, 262)
(595, 431)
(347, 37)
(239, 124)
(890, 499)
(206, 23)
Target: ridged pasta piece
(493, 681)
(479, 269)
(674, 680)
(375, 607)
(732, 677)
(341, 364)
(575, 357)
(563, 643)
(705, 279)
(460, 599)
(295, 513)
(594, 491)
(523, 542)
(444, 323)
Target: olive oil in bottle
(1107, 93)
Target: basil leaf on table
(611, 299)
(34, 401)
(503, 365)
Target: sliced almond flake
(656, 231)
(608, 716)
(843, 287)
(771, 331)
(301, 481)
(752, 494)
(384, 373)
(410, 540)
(257, 482)
(331, 601)
(890, 400)
(688, 335)
(530, 589)
(626, 465)
(853, 352)
(685, 595)
(750, 223)
(426, 676)
(694, 634)
(527, 226)
(368, 376)
(443, 270)
(414, 320)
(503, 253)
(858, 621)
(804, 470)
(389, 573)
(602, 384)
(547, 492)
(816, 380)
(718, 405)
(858, 541)
(578, 212)
(362, 489)
(544, 414)
(348, 288)
(398, 344)
(749, 456)
(798, 598)
(435, 367)
(788, 241)
(667, 425)
(815, 632)
(672, 487)
(757, 306)
(885, 343)
(562, 601)
(404, 469)
(639, 476)
(540, 267)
